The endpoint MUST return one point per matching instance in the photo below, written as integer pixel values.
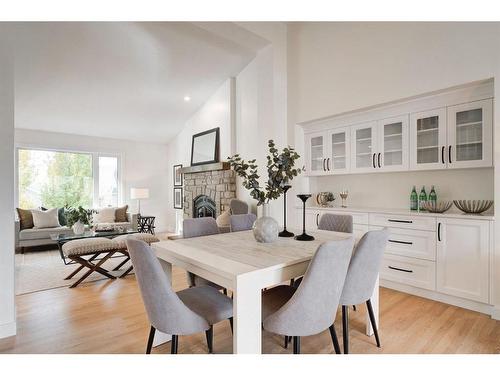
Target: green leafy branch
(280, 169)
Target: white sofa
(38, 237)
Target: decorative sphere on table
(265, 229)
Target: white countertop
(403, 211)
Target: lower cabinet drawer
(411, 243)
(415, 272)
(403, 221)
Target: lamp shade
(139, 193)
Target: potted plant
(77, 218)
(280, 170)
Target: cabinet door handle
(400, 221)
(442, 155)
(328, 163)
(402, 242)
(439, 232)
(399, 269)
(379, 160)
(449, 154)
(373, 160)
(324, 168)
(317, 219)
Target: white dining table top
(236, 253)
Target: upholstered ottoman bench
(87, 252)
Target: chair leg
(286, 342)
(335, 340)
(353, 307)
(231, 324)
(150, 340)
(345, 328)
(224, 291)
(296, 344)
(174, 344)
(372, 321)
(210, 338)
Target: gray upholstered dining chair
(197, 227)
(238, 207)
(361, 278)
(186, 312)
(336, 223)
(308, 310)
(242, 222)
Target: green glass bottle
(414, 199)
(433, 196)
(422, 198)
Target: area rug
(44, 269)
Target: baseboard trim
(8, 329)
(450, 300)
(495, 312)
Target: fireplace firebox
(204, 206)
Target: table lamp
(139, 193)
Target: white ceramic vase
(78, 228)
(265, 228)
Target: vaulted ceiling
(122, 80)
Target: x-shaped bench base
(93, 267)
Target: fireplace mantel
(221, 166)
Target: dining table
(237, 262)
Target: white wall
(216, 112)
(392, 190)
(340, 67)
(261, 100)
(142, 165)
(7, 306)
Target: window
(60, 178)
(108, 181)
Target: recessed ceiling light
(187, 98)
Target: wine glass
(343, 194)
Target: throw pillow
(105, 215)
(45, 219)
(121, 214)
(61, 214)
(25, 218)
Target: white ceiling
(122, 80)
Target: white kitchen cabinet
(338, 151)
(364, 143)
(316, 153)
(393, 144)
(428, 139)
(462, 258)
(470, 140)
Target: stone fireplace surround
(219, 185)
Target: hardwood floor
(109, 317)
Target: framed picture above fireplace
(178, 198)
(205, 147)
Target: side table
(146, 224)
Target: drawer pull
(400, 221)
(402, 242)
(399, 269)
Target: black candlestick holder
(304, 236)
(285, 233)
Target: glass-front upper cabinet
(363, 149)
(392, 153)
(428, 139)
(338, 160)
(470, 135)
(316, 151)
